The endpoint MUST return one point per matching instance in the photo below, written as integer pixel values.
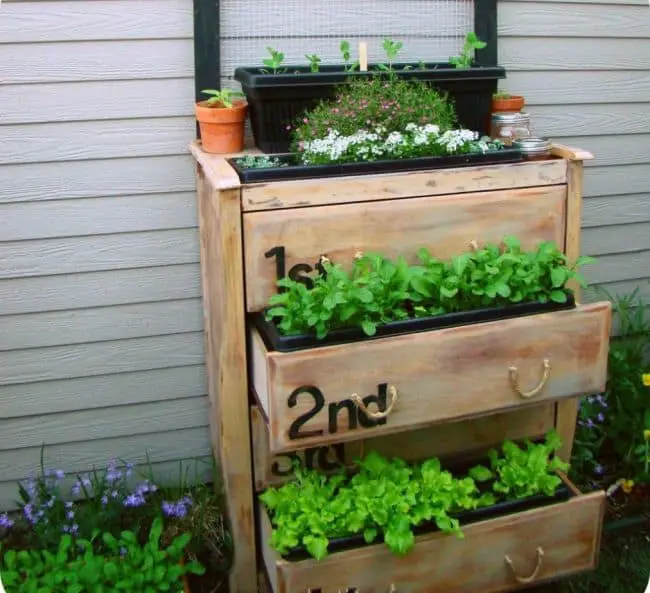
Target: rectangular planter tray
(506, 155)
(500, 509)
(276, 342)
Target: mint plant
(465, 59)
(345, 53)
(391, 48)
(101, 563)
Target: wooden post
(222, 274)
(363, 56)
(567, 410)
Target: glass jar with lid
(533, 149)
(509, 126)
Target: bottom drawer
(500, 554)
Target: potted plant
(336, 306)
(504, 101)
(392, 501)
(221, 121)
(279, 93)
(376, 124)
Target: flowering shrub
(376, 102)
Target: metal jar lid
(510, 117)
(533, 145)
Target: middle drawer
(333, 393)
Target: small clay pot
(512, 103)
(222, 128)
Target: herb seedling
(274, 62)
(422, 65)
(472, 43)
(314, 62)
(221, 98)
(345, 52)
(391, 48)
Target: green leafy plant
(377, 290)
(221, 98)
(344, 48)
(465, 59)
(314, 62)
(523, 472)
(101, 563)
(274, 62)
(262, 161)
(422, 65)
(389, 498)
(502, 95)
(391, 48)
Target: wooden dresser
(444, 392)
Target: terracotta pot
(513, 103)
(222, 128)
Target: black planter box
(299, 171)
(500, 509)
(274, 341)
(276, 100)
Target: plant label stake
(363, 56)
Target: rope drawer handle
(533, 576)
(513, 375)
(392, 394)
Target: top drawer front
(435, 182)
(444, 224)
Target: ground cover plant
(390, 497)
(377, 290)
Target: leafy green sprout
(274, 61)
(465, 59)
(391, 48)
(221, 98)
(344, 47)
(314, 62)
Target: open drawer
(501, 554)
(366, 389)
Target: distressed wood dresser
(461, 389)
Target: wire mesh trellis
(431, 30)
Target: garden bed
(274, 340)
(289, 166)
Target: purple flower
(28, 511)
(50, 503)
(5, 521)
(70, 515)
(123, 552)
(104, 500)
(601, 417)
(176, 509)
(134, 500)
(69, 505)
(74, 529)
(76, 489)
(599, 469)
(590, 423)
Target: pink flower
(288, 127)
(305, 120)
(335, 110)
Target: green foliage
(377, 290)
(389, 497)
(465, 59)
(259, 161)
(314, 62)
(100, 564)
(373, 102)
(391, 48)
(274, 62)
(221, 98)
(616, 422)
(523, 472)
(345, 53)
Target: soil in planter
(294, 169)
(275, 341)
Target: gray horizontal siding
(584, 68)
(101, 324)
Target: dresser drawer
(501, 554)
(317, 396)
(275, 242)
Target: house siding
(584, 68)
(101, 325)
(101, 344)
